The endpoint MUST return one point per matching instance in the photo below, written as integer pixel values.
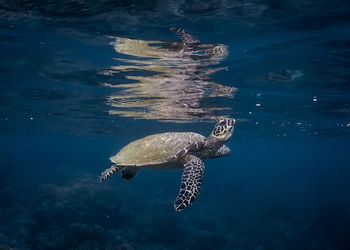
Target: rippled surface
(165, 80)
(79, 80)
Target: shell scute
(154, 149)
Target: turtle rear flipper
(129, 172)
(190, 182)
(108, 172)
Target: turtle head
(223, 129)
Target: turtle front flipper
(193, 147)
(185, 37)
(190, 182)
(222, 151)
(108, 172)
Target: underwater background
(81, 79)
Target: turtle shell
(154, 149)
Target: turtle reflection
(166, 80)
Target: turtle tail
(108, 172)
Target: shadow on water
(166, 80)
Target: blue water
(79, 80)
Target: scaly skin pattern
(185, 37)
(108, 172)
(190, 182)
(174, 150)
(192, 156)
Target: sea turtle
(174, 150)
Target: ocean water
(79, 80)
